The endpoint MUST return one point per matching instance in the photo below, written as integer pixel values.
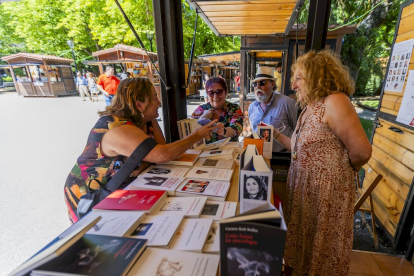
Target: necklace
(294, 152)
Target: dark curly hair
(262, 194)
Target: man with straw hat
(270, 107)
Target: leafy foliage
(45, 26)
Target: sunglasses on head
(218, 92)
(261, 83)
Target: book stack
(219, 154)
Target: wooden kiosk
(37, 75)
(130, 59)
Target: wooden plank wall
(393, 153)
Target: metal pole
(74, 60)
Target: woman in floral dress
(328, 144)
(228, 114)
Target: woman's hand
(208, 114)
(219, 129)
(205, 131)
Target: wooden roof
(222, 57)
(122, 47)
(36, 57)
(267, 17)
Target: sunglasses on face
(218, 92)
(261, 83)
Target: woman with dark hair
(128, 121)
(229, 115)
(254, 188)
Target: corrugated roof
(222, 57)
(36, 56)
(267, 17)
(122, 47)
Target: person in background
(108, 84)
(122, 126)
(270, 107)
(229, 115)
(237, 82)
(205, 96)
(278, 76)
(328, 145)
(123, 75)
(91, 85)
(82, 85)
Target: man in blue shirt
(82, 85)
(270, 107)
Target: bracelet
(277, 135)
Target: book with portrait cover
(144, 201)
(157, 262)
(210, 173)
(156, 182)
(212, 244)
(252, 244)
(215, 163)
(159, 230)
(95, 255)
(219, 210)
(265, 132)
(213, 190)
(166, 170)
(219, 154)
(190, 207)
(255, 183)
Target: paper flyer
(400, 60)
(406, 112)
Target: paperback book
(166, 171)
(252, 244)
(158, 230)
(255, 184)
(95, 255)
(156, 182)
(186, 159)
(190, 207)
(212, 244)
(215, 163)
(219, 154)
(219, 210)
(265, 132)
(192, 235)
(213, 190)
(118, 224)
(144, 201)
(210, 173)
(158, 262)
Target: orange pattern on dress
(321, 194)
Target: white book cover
(212, 244)
(156, 182)
(219, 210)
(214, 190)
(186, 206)
(218, 154)
(166, 171)
(192, 234)
(160, 262)
(210, 173)
(116, 223)
(255, 184)
(215, 163)
(158, 230)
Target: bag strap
(135, 159)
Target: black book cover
(251, 248)
(97, 255)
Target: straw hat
(264, 73)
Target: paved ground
(40, 139)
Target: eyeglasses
(218, 92)
(261, 83)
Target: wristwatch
(225, 131)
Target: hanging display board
(393, 136)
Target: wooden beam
(216, 3)
(280, 24)
(246, 7)
(248, 18)
(249, 13)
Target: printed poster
(406, 112)
(400, 60)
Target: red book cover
(133, 200)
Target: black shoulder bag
(93, 197)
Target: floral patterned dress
(321, 194)
(232, 116)
(93, 164)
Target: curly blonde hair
(124, 103)
(323, 75)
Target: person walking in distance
(82, 85)
(278, 76)
(108, 84)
